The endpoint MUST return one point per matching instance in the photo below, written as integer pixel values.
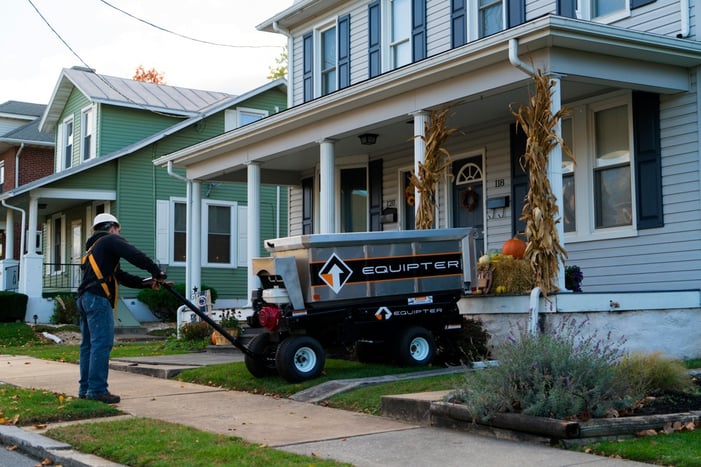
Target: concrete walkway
(290, 425)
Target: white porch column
(10, 234)
(555, 172)
(195, 259)
(420, 120)
(327, 193)
(31, 276)
(253, 232)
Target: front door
(468, 199)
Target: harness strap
(101, 279)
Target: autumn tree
(148, 76)
(280, 68)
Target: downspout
(188, 281)
(534, 307)
(22, 230)
(280, 30)
(21, 148)
(685, 14)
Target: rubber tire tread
(284, 360)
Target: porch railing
(61, 277)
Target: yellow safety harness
(101, 279)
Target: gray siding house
(365, 75)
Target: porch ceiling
(477, 80)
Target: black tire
(300, 358)
(415, 347)
(264, 363)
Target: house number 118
(499, 182)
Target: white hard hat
(104, 218)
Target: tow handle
(234, 340)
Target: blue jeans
(97, 330)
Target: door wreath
(469, 199)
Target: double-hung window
(65, 157)
(242, 116)
(490, 17)
(604, 11)
(399, 33)
(327, 49)
(87, 133)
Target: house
(26, 154)
(364, 77)
(107, 132)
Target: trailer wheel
(416, 346)
(300, 358)
(264, 364)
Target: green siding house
(108, 132)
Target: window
(603, 10)
(242, 116)
(179, 232)
(87, 130)
(568, 192)
(490, 17)
(219, 234)
(400, 33)
(328, 60)
(66, 146)
(598, 187)
(607, 7)
(56, 248)
(611, 173)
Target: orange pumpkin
(514, 247)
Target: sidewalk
(294, 426)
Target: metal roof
(123, 92)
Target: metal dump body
(349, 266)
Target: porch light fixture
(368, 138)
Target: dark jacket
(107, 252)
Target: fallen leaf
(315, 454)
(11, 448)
(645, 433)
(40, 426)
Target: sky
(114, 44)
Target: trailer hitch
(234, 340)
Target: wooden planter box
(219, 339)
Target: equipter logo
(335, 273)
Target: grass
(146, 442)
(679, 449)
(235, 376)
(36, 406)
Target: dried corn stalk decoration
(429, 172)
(540, 212)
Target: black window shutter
(308, 206)
(418, 29)
(344, 51)
(516, 13)
(375, 191)
(374, 39)
(458, 23)
(639, 3)
(648, 164)
(519, 178)
(308, 66)
(567, 8)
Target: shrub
(13, 306)
(65, 310)
(163, 304)
(472, 341)
(654, 373)
(196, 331)
(557, 374)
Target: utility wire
(100, 77)
(183, 35)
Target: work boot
(105, 397)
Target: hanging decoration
(469, 199)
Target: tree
(149, 76)
(280, 68)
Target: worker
(97, 301)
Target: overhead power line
(183, 35)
